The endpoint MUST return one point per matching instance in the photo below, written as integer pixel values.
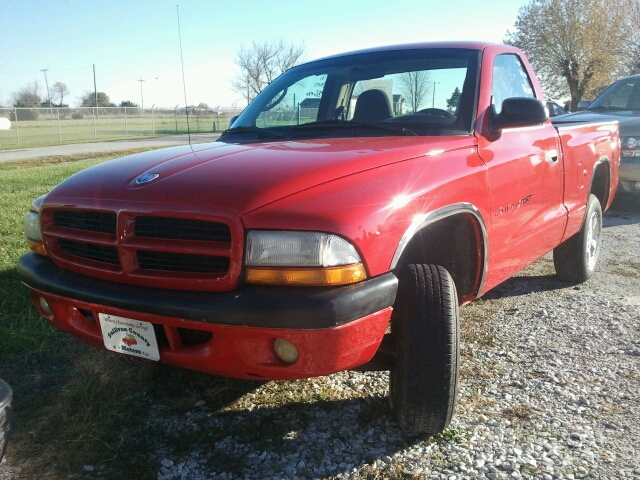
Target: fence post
(126, 127)
(59, 136)
(214, 127)
(15, 112)
(176, 113)
(298, 114)
(153, 122)
(93, 112)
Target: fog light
(44, 306)
(286, 351)
(636, 185)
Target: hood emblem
(146, 178)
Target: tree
(573, 45)
(261, 63)
(454, 99)
(27, 96)
(630, 48)
(89, 100)
(414, 86)
(127, 103)
(60, 90)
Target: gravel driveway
(550, 388)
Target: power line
(35, 71)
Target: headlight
(301, 258)
(32, 227)
(630, 147)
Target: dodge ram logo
(146, 178)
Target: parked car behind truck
(621, 102)
(289, 247)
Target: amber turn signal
(316, 276)
(37, 247)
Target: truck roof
(471, 45)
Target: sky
(128, 41)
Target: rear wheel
(576, 258)
(425, 329)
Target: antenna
(184, 84)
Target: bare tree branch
(262, 63)
(574, 45)
(415, 87)
(60, 90)
(27, 96)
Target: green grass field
(47, 130)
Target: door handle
(552, 156)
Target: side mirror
(518, 112)
(232, 119)
(583, 104)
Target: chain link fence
(49, 126)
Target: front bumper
(629, 174)
(226, 333)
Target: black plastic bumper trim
(274, 307)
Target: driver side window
(510, 80)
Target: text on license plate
(125, 335)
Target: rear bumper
(228, 333)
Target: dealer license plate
(125, 335)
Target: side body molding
(426, 219)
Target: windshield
(395, 92)
(622, 95)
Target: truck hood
(629, 119)
(239, 178)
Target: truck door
(525, 177)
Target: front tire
(425, 329)
(576, 258)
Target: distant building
(398, 105)
(310, 103)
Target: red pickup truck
(339, 222)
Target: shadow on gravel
(522, 285)
(316, 439)
(625, 210)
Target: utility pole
(433, 98)
(95, 89)
(47, 84)
(141, 98)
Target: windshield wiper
(343, 124)
(259, 131)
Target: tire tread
(427, 338)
